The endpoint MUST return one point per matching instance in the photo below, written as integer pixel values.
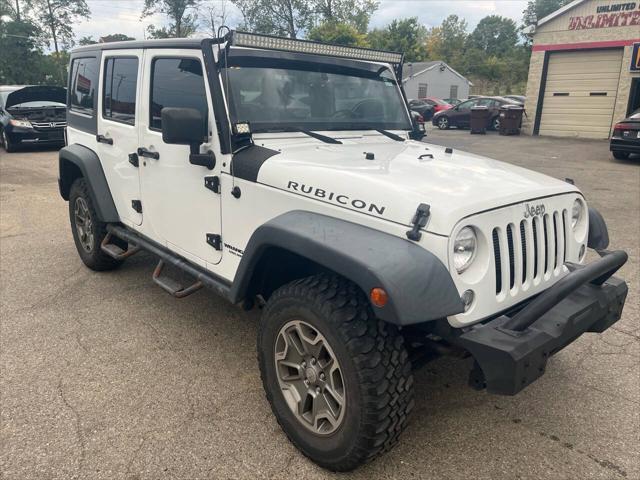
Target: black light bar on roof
(244, 39)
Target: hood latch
(419, 221)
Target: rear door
(180, 212)
(118, 118)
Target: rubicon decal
(337, 198)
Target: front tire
(88, 230)
(618, 155)
(338, 380)
(7, 144)
(443, 123)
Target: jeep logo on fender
(344, 200)
(533, 210)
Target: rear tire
(375, 383)
(618, 155)
(88, 231)
(443, 123)
(495, 124)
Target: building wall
(558, 33)
(439, 84)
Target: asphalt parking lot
(103, 375)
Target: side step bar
(202, 276)
(115, 251)
(171, 286)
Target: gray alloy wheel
(496, 123)
(443, 123)
(310, 377)
(84, 224)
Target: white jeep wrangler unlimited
(289, 172)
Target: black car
(460, 115)
(31, 115)
(423, 107)
(626, 137)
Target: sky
(123, 16)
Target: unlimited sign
(616, 15)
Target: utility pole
(18, 10)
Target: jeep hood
(37, 94)
(401, 176)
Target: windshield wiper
(391, 135)
(317, 136)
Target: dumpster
(480, 119)
(510, 119)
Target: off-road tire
(376, 369)
(618, 155)
(95, 259)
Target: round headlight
(464, 249)
(576, 213)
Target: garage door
(580, 94)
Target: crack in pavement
(78, 424)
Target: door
(580, 93)
(460, 116)
(179, 211)
(117, 132)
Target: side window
(466, 105)
(84, 81)
(176, 82)
(119, 89)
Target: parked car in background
(32, 115)
(626, 137)
(438, 104)
(425, 109)
(452, 101)
(516, 98)
(460, 115)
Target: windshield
(273, 99)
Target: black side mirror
(185, 126)
(182, 126)
(416, 133)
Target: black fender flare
(419, 286)
(598, 238)
(77, 160)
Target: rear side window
(119, 90)
(84, 81)
(176, 82)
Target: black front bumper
(511, 352)
(36, 137)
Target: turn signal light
(379, 297)
(623, 126)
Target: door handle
(143, 152)
(103, 139)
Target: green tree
(406, 35)
(538, 9)
(87, 40)
(356, 13)
(494, 35)
(57, 17)
(115, 37)
(183, 16)
(446, 42)
(338, 34)
(287, 18)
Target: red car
(437, 103)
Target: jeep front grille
(531, 252)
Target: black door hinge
(212, 183)
(133, 160)
(136, 205)
(214, 240)
(419, 221)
